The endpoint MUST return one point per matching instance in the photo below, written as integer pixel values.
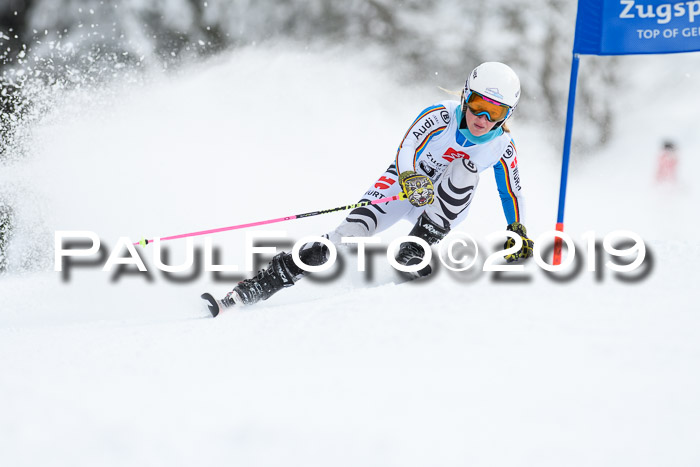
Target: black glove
(526, 250)
(418, 188)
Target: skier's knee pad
(454, 192)
(461, 174)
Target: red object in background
(668, 164)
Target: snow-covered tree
(435, 41)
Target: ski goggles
(481, 105)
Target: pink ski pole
(143, 242)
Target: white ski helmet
(496, 82)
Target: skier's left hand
(526, 250)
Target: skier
(437, 166)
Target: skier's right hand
(418, 188)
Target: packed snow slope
(475, 369)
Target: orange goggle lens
(480, 105)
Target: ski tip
(212, 304)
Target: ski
(215, 306)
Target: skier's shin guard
(411, 253)
(311, 254)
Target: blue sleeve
(511, 206)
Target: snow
(481, 369)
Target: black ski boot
(266, 283)
(411, 253)
(282, 272)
